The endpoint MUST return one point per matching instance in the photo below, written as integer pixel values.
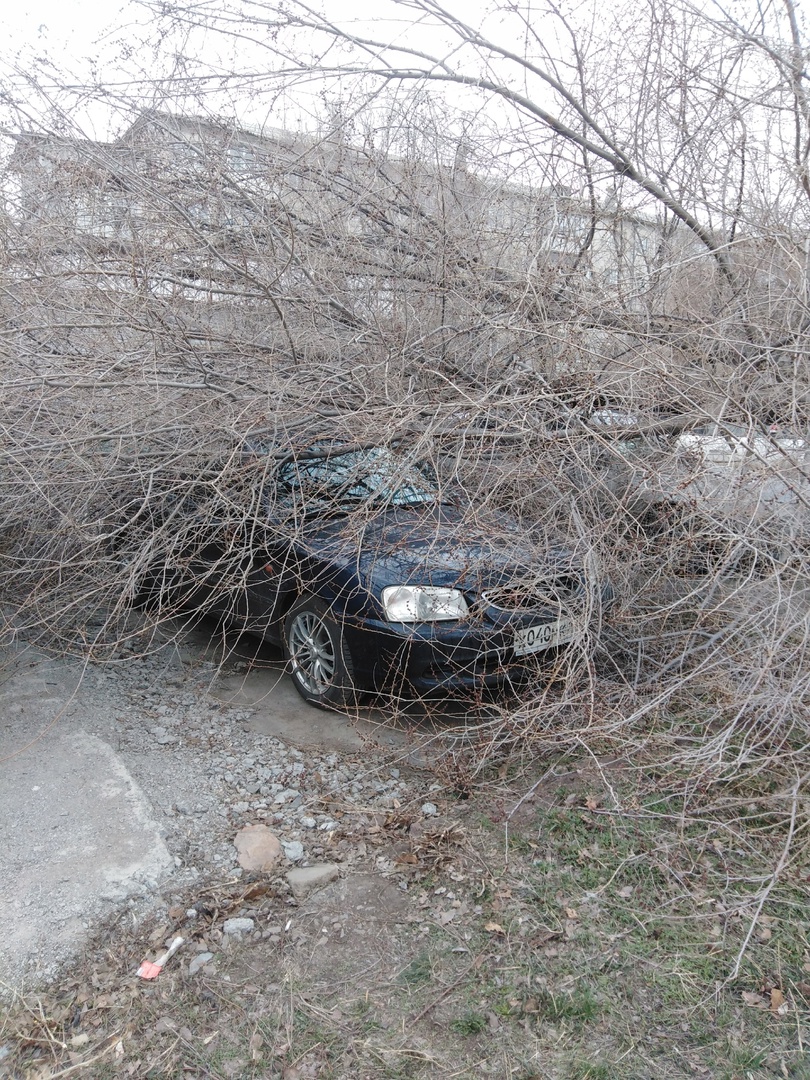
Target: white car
(731, 444)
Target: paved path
(76, 831)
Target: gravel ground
(208, 773)
(203, 771)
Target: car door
(272, 573)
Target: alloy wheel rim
(312, 652)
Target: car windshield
(373, 473)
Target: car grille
(534, 596)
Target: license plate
(532, 639)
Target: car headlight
(422, 603)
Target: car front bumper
(442, 657)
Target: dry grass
(619, 933)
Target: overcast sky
(53, 43)
(69, 29)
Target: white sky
(69, 29)
(48, 43)
(84, 43)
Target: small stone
(286, 795)
(305, 879)
(199, 961)
(293, 849)
(430, 809)
(308, 822)
(238, 926)
(258, 847)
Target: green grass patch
(418, 972)
(470, 1023)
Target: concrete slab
(77, 833)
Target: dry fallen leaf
(494, 928)
(255, 1045)
(755, 1001)
(777, 999)
(571, 913)
(591, 803)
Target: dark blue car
(371, 577)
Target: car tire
(318, 657)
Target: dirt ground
(560, 918)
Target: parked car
(366, 573)
(721, 443)
(727, 498)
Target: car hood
(433, 545)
